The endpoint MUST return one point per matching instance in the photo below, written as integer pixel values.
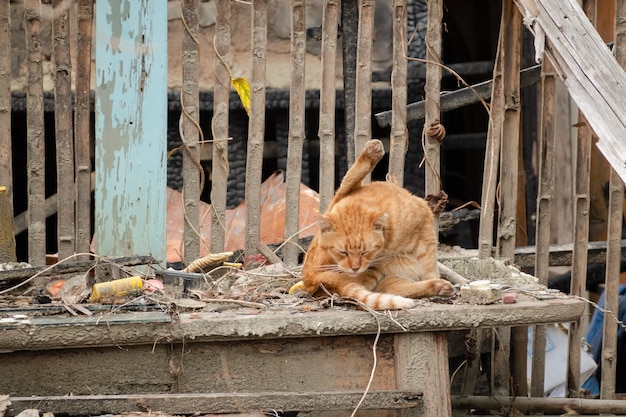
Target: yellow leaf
(243, 89)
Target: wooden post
(256, 127)
(131, 125)
(350, 24)
(6, 166)
(327, 103)
(614, 234)
(432, 91)
(546, 149)
(297, 98)
(363, 100)
(193, 174)
(422, 365)
(35, 137)
(82, 127)
(64, 131)
(221, 98)
(399, 136)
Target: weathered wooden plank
(256, 126)
(561, 255)
(399, 135)
(6, 160)
(217, 403)
(614, 234)
(64, 131)
(327, 103)
(131, 122)
(349, 23)
(69, 267)
(219, 150)
(545, 192)
(363, 99)
(412, 365)
(509, 137)
(82, 129)
(243, 366)
(35, 147)
(433, 132)
(121, 329)
(193, 173)
(452, 100)
(593, 77)
(612, 276)
(548, 405)
(297, 96)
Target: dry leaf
(243, 89)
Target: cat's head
(353, 240)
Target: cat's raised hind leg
(415, 289)
(372, 153)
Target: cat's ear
(324, 223)
(380, 222)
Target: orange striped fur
(376, 243)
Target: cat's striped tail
(378, 300)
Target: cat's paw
(374, 150)
(443, 288)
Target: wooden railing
(500, 187)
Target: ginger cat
(376, 243)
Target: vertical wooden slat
(492, 151)
(363, 99)
(505, 244)
(611, 291)
(507, 213)
(327, 103)
(350, 24)
(82, 127)
(399, 135)
(545, 192)
(582, 203)
(35, 136)
(221, 97)
(579, 252)
(131, 125)
(256, 126)
(490, 185)
(6, 166)
(297, 96)
(614, 234)
(190, 101)
(432, 90)
(63, 130)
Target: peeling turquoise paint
(131, 127)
